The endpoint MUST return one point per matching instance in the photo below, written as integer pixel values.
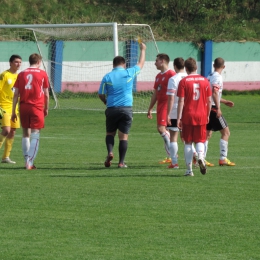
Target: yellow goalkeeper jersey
(7, 80)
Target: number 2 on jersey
(196, 91)
(29, 78)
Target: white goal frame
(114, 25)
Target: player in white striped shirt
(217, 122)
(172, 89)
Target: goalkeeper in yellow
(7, 80)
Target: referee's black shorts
(216, 124)
(119, 118)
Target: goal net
(77, 56)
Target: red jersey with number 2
(31, 83)
(195, 89)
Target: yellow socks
(2, 139)
(8, 147)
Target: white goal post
(77, 56)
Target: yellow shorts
(6, 121)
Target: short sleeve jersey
(161, 83)
(7, 80)
(31, 83)
(118, 86)
(172, 89)
(195, 89)
(216, 82)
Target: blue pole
(56, 65)
(206, 65)
(132, 56)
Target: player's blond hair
(34, 58)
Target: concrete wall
(242, 64)
(85, 63)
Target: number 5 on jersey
(196, 91)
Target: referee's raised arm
(142, 55)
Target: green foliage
(171, 20)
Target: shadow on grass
(92, 168)
(101, 171)
(115, 176)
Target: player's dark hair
(118, 60)
(34, 58)
(219, 63)
(179, 63)
(190, 65)
(163, 56)
(15, 56)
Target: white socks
(30, 149)
(188, 153)
(174, 152)
(25, 147)
(206, 148)
(166, 139)
(194, 150)
(200, 150)
(223, 146)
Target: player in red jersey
(159, 96)
(32, 87)
(193, 112)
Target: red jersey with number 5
(31, 83)
(195, 89)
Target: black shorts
(216, 124)
(173, 127)
(119, 118)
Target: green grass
(72, 207)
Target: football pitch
(72, 207)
